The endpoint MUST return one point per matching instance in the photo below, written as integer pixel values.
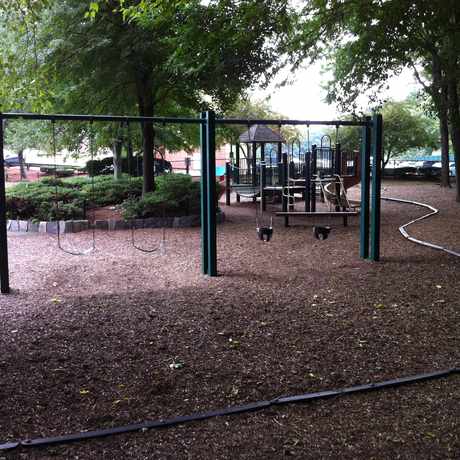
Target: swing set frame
(371, 147)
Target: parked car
(11, 161)
(437, 167)
(105, 166)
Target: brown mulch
(90, 342)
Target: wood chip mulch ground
(121, 336)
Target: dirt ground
(120, 336)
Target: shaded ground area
(121, 336)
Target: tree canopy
(368, 41)
(147, 58)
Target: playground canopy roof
(260, 133)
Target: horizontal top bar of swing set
(220, 121)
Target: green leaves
(92, 10)
(405, 128)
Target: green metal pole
(254, 164)
(237, 170)
(263, 177)
(211, 192)
(377, 146)
(279, 159)
(4, 272)
(204, 196)
(365, 188)
(228, 172)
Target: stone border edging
(75, 226)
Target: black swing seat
(265, 233)
(321, 232)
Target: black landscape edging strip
(251, 407)
(405, 234)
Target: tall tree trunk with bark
(22, 166)
(440, 98)
(444, 132)
(452, 74)
(117, 161)
(145, 101)
(129, 154)
(454, 115)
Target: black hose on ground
(251, 407)
(406, 235)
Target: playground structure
(264, 165)
(371, 146)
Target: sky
(304, 98)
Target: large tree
(153, 57)
(371, 40)
(405, 129)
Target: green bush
(51, 181)
(37, 200)
(52, 198)
(107, 192)
(150, 205)
(174, 195)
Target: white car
(437, 165)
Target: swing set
(160, 247)
(371, 146)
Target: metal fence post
(4, 272)
(284, 183)
(313, 173)
(377, 145)
(338, 159)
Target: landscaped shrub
(38, 200)
(51, 181)
(150, 205)
(174, 195)
(110, 191)
(65, 199)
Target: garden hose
(233, 410)
(406, 235)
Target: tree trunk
(145, 100)
(454, 114)
(386, 159)
(452, 96)
(22, 166)
(444, 131)
(129, 154)
(117, 162)
(439, 94)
